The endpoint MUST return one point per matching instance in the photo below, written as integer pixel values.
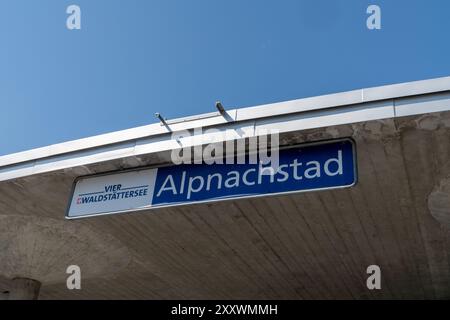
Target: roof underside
(306, 245)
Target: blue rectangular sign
(302, 168)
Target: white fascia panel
(424, 104)
(84, 157)
(329, 117)
(18, 170)
(102, 140)
(300, 105)
(194, 137)
(414, 88)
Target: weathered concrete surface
(439, 202)
(41, 248)
(303, 246)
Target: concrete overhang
(311, 245)
(156, 140)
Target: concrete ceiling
(305, 246)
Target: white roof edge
(359, 96)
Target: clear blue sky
(133, 58)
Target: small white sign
(112, 193)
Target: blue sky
(133, 58)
